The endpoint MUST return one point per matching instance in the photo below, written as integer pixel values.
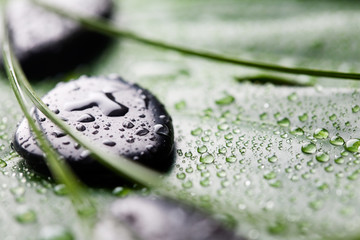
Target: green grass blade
(59, 169)
(122, 166)
(107, 28)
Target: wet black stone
(160, 219)
(143, 142)
(48, 44)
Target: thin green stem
(60, 170)
(122, 166)
(107, 28)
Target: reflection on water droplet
(81, 128)
(223, 126)
(273, 159)
(202, 149)
(60, 190)
(355, 108)
(121, 191)
(105, 101)
(309, 148)
(339, 160)
(181, 176)
(321, 133)
(285, 122)
(322, 157)
(25, 216)
(128, 124)
(263, 116)
(304, 117)
(353, 145)
(86, 118)
(297, 131)
(207, 158)
(337, 141)
(292, 97)
(142, 132)
(187, 184)
(333, 117)
(109, 143)
(196, 132)
(225, 100)
(2, 163)
(231, 159)
(161, 129)
(270, 175)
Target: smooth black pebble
(48, 44)
(106, 110)
(159, 219)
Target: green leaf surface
(242, 149)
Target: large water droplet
(273, 159)
(322, 157)
(142, 132)
(105, 101)
(109, 143)
(353, 145)
(225, 100)
(337, 141)
(285, 122)
(161, 129)
(196, 132)
(2, 163)
(309, 148)
(321, 133)
(128, 124)
(207, 158)
(26, 216)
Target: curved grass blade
(59, 169)
(120, 165)
(107, 28)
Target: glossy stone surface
(122, 118)
(46, 43)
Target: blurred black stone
(47, 44)
(159, 219)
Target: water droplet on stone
(81, 128)
(161, 130)
(86, 118)
(109, 143)
(142, 132)
(128, 124)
